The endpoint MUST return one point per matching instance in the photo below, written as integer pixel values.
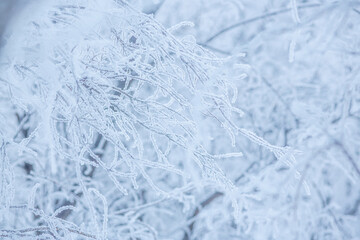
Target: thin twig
(254, 19)
(197, 211)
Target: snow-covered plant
(303, 91)
(116, 124)
(111, 126)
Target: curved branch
(254, 19)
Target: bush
(114, 127)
